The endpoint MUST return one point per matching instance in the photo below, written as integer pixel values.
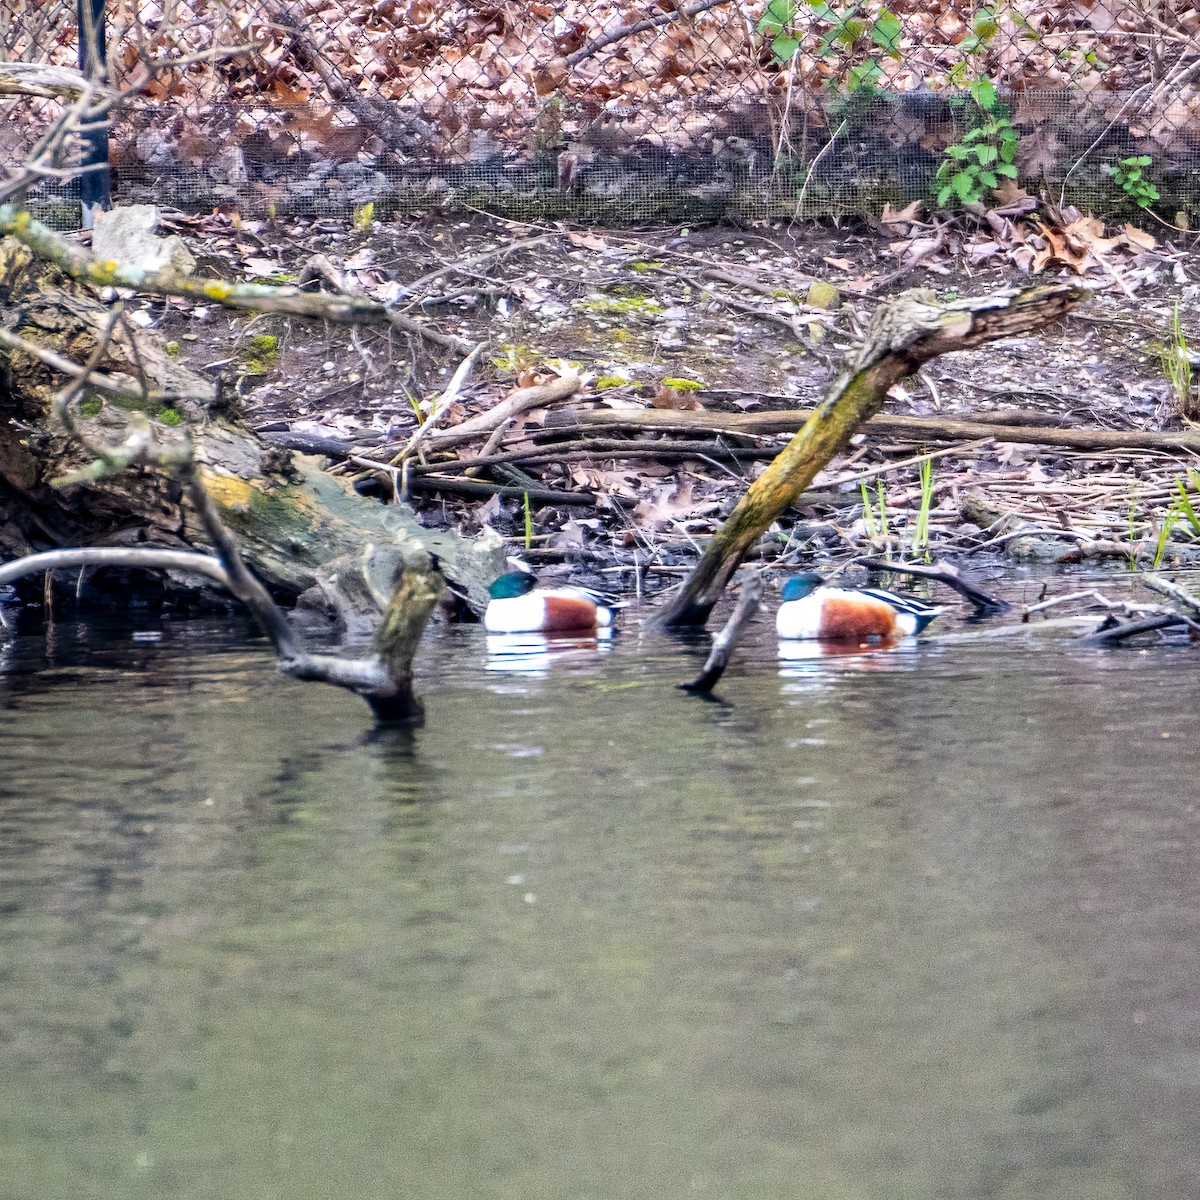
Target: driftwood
(1168, 587)
(299, 528)
(908, 331)
(384, 680)
(1113, 631)
(915, 429)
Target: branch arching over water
(904, 334)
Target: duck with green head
(517, 605)
(812, 610)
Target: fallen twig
(522, 400)
(615, 35)
(1070, 535)
(910, 428)
(941, 573)
(480, 487)
(440, 406)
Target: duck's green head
(508, 587)
(800, 586)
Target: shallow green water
(923, 924)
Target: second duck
(812, 610)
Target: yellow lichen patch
(622, 304)
(103, 273)
(227, 490)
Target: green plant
(528, 523)
(987, 153)
(1177, 367)
(1129, 175)
(920, 535)
(876, 526)
(778, 24)
(1184, 503)
(1170, 519)
(1180, 510)
(844, 29)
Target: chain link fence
(636, 112)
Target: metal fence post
(95, 185)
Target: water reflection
(922, 923)
(538, 653)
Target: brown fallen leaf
(587, 241)
(676, 398)
(668, 504)
(910, 214)
(1139, 238)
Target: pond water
(917, 924)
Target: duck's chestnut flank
(857, 619)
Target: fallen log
(297, 526)
(916, 429)
(908, 331)
(384, 680)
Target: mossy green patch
(823, 295)
(515, 356)
(172, 349)
(622, 300)
(168, 416)
(92, 407)
(683, 385)
(609, 381)
(259, 354)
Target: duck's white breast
(517, 614)
(799, 618)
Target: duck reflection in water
(801, 658)
(539, 653)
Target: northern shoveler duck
(516, 606)
(811, 610)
